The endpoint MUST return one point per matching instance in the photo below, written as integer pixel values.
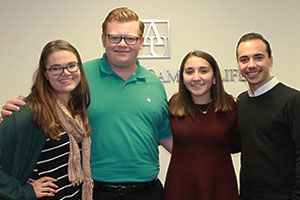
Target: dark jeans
(154, 193)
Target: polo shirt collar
(105, 67)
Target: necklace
(204, 112)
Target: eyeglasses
(116, 39)
(57, 70)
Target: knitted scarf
(78, 171)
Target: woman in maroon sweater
(204, 124)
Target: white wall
(213, 26)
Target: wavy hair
(42, 97)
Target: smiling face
(254, 62)
(122, 55)
(198, 77)
(65, 83)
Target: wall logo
(157, 39)
(232, 74)
(167, 76)
(228, 75)
(157, 46)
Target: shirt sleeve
(165, 127)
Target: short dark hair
(254, 36)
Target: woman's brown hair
(42, 99)
(182, 103)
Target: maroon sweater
(201, 165)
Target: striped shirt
(53, 162)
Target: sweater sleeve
(11, 188)
(293, 115)
(20, 146)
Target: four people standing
(127, 127)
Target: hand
(11, 105)
(44, 187)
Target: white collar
(265, 88)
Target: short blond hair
(123, 14)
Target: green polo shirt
(128, 118)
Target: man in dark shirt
(269, 124)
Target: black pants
(154, 193)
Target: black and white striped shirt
(53, 162)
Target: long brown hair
(42, 98)
(182, 103)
